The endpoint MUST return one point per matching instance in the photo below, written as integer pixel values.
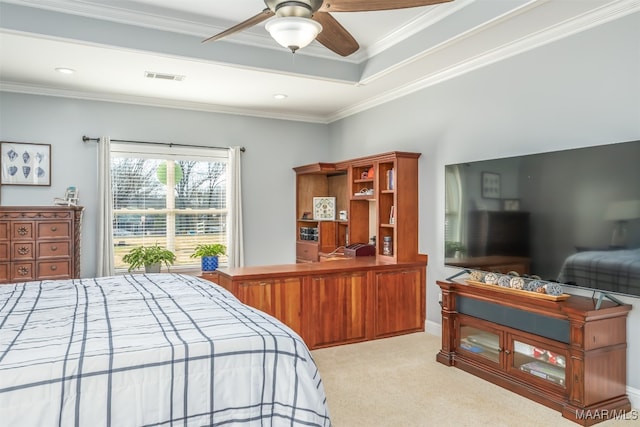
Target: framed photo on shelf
(511, 205)
(25, 164)
(324, 208)
(490, 185)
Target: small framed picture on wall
(490, 185)
(25, 164)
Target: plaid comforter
(158, 349)
(615, 270)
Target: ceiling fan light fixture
(293, 32)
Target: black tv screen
(572, 216)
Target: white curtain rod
(170, 144)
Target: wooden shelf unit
(563, 354)
(362, 188)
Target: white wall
(580, 91)
(274, 147)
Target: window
(453, 212)
(173, 196)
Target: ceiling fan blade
(371, 5)
(333, 35)
(254, 20)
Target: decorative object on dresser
(70, 197)
(25, 164)
(39, 242)
(569, 355)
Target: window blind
(175, 197)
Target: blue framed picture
(25, 164)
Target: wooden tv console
(564, 354)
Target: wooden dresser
(39, 242)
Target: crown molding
(557, 32)
(565, 29)
(155, 102)
(421, 22)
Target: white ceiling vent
(163, 76)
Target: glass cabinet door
(540, 362)
(480, 342)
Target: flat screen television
(572, 216)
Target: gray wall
(274, 147)
(580, 91)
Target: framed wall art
(490, 185)
(25, 164)
(324, 208)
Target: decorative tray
(518, 291)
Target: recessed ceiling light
(279, 96)
(64, 70)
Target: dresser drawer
(54, 249)
(22, 271)
(47, 230)
(54, 269)
(22, 230)
(4, 251)
(4, 272)
(22, 251)
(4, 230)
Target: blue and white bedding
(614, 270)
(158, 349)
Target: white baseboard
(435, 328)
(634, 397)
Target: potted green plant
(151, 257)
(209, 254)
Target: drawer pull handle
(54, 248)
(23, 250)
(22, 231)
(23, 271)
(54, 267)
(54, 228)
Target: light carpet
(396, 382)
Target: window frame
(177, 153)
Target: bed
(149, 349)
(609, 270)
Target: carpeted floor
(396, 382)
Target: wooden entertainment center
(349, 297)
(564, 354)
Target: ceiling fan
(299, 22)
